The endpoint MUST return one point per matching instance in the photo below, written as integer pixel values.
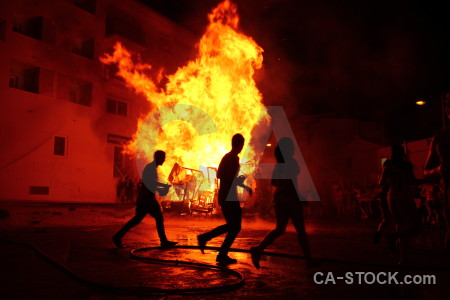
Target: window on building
(111, 72)
(2, 29)
(122, 108)
(39, 190)
(59, 146)
(87, 5)
(126, 27)
(31, 27)
(111, 106)
(13, 81)
(46, 82)
(30, 78)
(39, 28)
(84, 48)
(24, 77)
(87, 48)
(74, 90)
(116, 107)
(122, 163)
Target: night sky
(369, 60)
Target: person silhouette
(438, 167)
(129, 189)
(398, 179)
(386, 225)
(146, 202)
(227, 173)
(286, 203)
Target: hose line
(140, 290)
(239, 281)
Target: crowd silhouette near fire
(405, 203)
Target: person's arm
(231, 173)
(383, 182)
(240, 182)
(162, 188)
(162, 185)
(433, 164)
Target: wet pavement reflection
(345, 246)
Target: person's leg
(296, 214)
(233, 216)
(219, 230)
(140, 214)
(282, 218)
(384, 211)
(154, 210)
(202, 239)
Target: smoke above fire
(204, 103)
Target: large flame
(219, 81)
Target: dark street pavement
(78, 237)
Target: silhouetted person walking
(146, 202)
(438, 166)
(399, 180)
(386, 226)
(286, 202)
(228, 201)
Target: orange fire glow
(219, 81)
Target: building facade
(64, 115)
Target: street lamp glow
(421, 102)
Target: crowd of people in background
(128, 189)
(404, 204)
(352, 200)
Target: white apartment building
(64, 115)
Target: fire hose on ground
(239, 282)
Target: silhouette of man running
(146, 202)
(438, 166)
(228, 201)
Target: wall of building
(53, 88)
